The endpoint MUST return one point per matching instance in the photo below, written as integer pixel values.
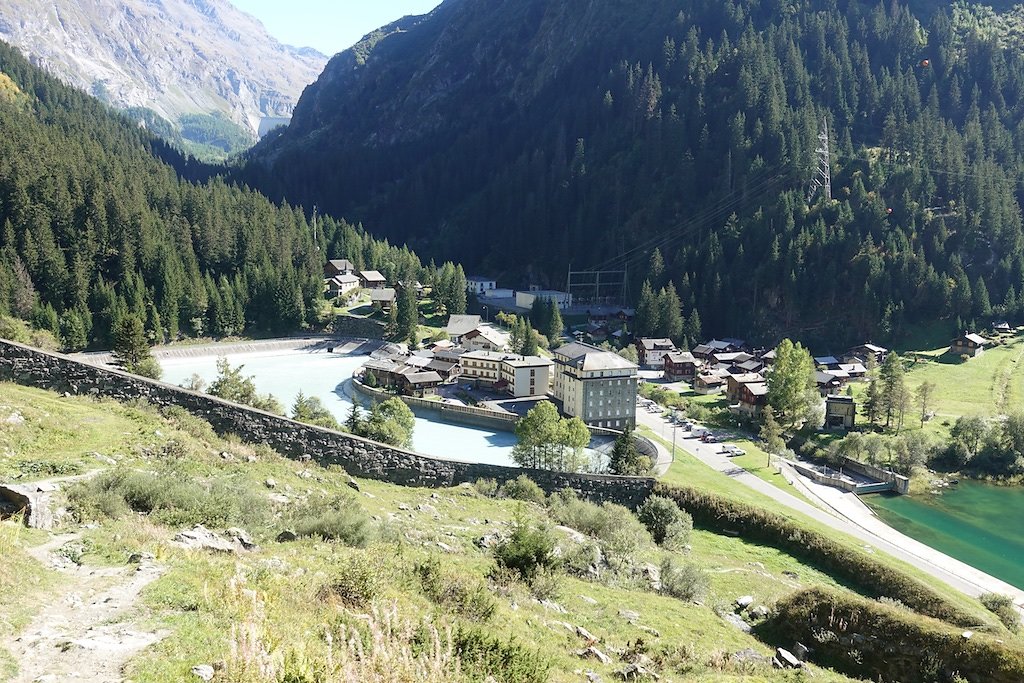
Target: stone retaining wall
(359, 457)
(351, 326)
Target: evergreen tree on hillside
(648, 312)
(555, 326)
(792, 390)
(670, 323)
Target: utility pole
(822, 179)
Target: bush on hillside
(170, 497)
(487, 656)
(527, 551)
(668, 525)
(683, 580)
(1002, 606)
(486, 487)
(523, 488)
(615, 527)
(340, 518)
(355, 581)
(465, 595)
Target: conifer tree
(671, 321)
(648, 316)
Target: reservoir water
(977, 523)
(327, 376)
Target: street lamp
(487, 317)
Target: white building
(483, 367)
(498, 293)
(526, 375)
(486, 338)
(342, 284)
(460, 325)
(525, 299)
(479, 285)
(595, 385)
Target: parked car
(733, 451)
(709, 438)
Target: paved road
(843, 516)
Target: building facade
(597, 386)
(526, 375)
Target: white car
(733, 451)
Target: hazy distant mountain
(174, 57)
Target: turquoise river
(977, 523)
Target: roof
(853, 368)
(748, 378)
(493, 356)
(346, 278)
(386, 294)
(528, 361)
(751, 365)
(757, 388)
(719, 344)
(826, 360)
(836, 398)
(452, 353)
(770, 355)
(459, 325)
(342, 264)
(372, 276)
(871, 347)
(651, 344)
(680, 357)
(496, 337)
(825, 377)
(588, 358)
(418, 361)
(734, 341)
(423, 377)
(732, 357)
(382, 364)
(479, 278)
(976, 338)
(441, 365)
(710, 379)
(702, 349)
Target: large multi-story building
(595, 385)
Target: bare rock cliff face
(172, 56)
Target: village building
(461, 325)
(709, 383)
(827, 362)
(828, 383)
(384, 371)
(446, 369)
(561, 299)
(450, 353)
(1002, 327)
(479, 284)
(335, 267)
(383, 299)
(752, 365)
(840, 412)
(751, 398)
(526, 375)
(372, 279)
(681, 365)
(768, 358)
(481, 367)
(651, 352)
(861, 354)
(499, 293)
(340, 285)
(706, 350)
(968, 344)
(734, 382)
(595, 385)
(485, 338)
(854, 370)
(415, 382)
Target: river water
(285, 372)
(977, 523)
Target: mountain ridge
(174, 57)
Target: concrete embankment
(341, 345)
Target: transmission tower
(822, 179)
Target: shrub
(527, 551)
(465, 595)
(546, 585)
(859, 570)
(665, 521)
(523, 488)
(618, 530)
(683, 580)
(486, 655)
(170, 497)
(1002, 606)
(333, 519)
(486, 487)
(355, 581)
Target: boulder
(652, 575)
(736, 620)
(748, 655)
(629, 615)
(286, 536)
(270, 483)
(593, 653)
(203, 672)
(585, 634)
(34, 499)
(636, 672)
(352, 484)
(785, 659)
(800, 651)
(201, 538)
(744, 601)
(140, 557)
(242, 538)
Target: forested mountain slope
(96, 223)
(521, 136)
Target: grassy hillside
(405, 593)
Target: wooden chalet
(840, 412)
(968, 344)
(681, 365)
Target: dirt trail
(90, 627)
